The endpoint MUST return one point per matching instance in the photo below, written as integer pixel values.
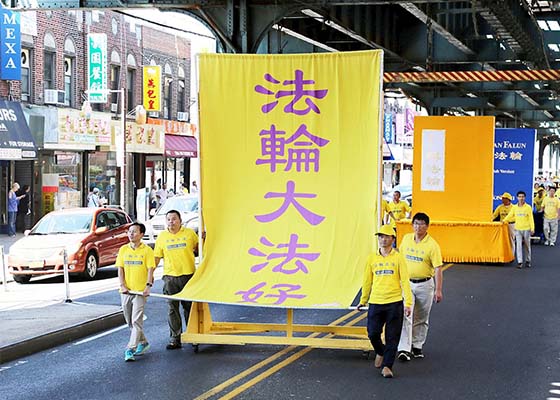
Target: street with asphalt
(494, 336)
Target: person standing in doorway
(522, 215)
(13, 200)
(424, 263)
(177, 246)
(384, 286)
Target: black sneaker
(520, 265)
(528, 265)
(173, 345)
(417, 353)
(404, 356)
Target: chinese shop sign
(97, 67)
(152, 87)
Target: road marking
(89, 339)
(279, 366)
(447, 266)
(217, 389)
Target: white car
(186, 205)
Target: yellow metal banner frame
(201, 329)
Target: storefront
(173, 168)
(142, 141)
(18, 151)
(65, 175)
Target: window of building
(49, 70)
(69, 81)
(26, 75)
(181, 96)
(115, 84)
(130, 84)
(167, 90)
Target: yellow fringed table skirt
(467, 242)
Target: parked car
(91, 236)
(186, 205)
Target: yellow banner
(151, 87)
(453, 176)
(289, 177)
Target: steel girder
(417, 35)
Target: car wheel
(22, 278)
(90, 269)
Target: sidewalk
(30, 330)
(6, 242)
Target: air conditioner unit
(114, 107)
(53, 96)
(182, 116)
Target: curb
(61, 336)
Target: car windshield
(179, 203)
(63, 223)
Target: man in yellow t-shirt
(399, 208)
(177, 246)
(551, 206)
(424, 263)
(522, 215)
(503, 209)
(135, 263)
(385, 284)
(501, 212)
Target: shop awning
(180, 146)
(16, 142)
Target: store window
(104, 175)
(61, 174)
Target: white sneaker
(547, 243)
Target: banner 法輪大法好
(289, 167)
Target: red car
(91, 236)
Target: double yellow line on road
(275, 368)
(263, 375)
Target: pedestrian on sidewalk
(385, 283)
(177, 246)
(136, 264)
(522, 215)
(424, 264)
(551, 206)
(13, 200)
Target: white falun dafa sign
(97, 68)
(433, 160)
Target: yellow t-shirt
(399, 210)
(523, 217)
(386, 280)
(421, 258)
(177, 251)
(551, 206)
(135, 263)
(538, 202)
(502, 210)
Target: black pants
(173, 285)
(390, 315)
